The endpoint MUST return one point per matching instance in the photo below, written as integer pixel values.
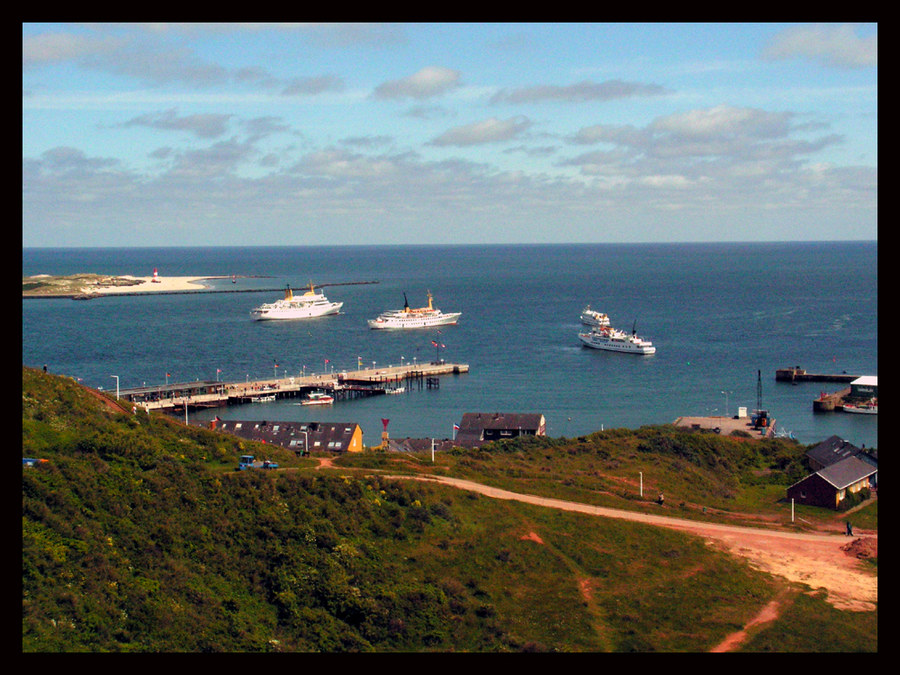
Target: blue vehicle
(249, 462)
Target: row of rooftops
(297, 436)
(475, 429)
(835, 460)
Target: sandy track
(828, 561)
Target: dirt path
(828, 561)
(768, 614)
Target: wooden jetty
(343, 385)
(797, 374)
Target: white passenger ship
(615, 340)
(420, 317)
(308, 305)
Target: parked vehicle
(249, 462)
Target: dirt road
(828, 561)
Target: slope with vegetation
(138, 534)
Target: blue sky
(294, 134)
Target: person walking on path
(849, 529)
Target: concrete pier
(829, 402)
(797, 374)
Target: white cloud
(487, 131)
(427, 83)
(833, 45)
(208, 125)
(577, 93)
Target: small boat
(317, 398)
(867, 408)
(420, 317)
(591, 317)
(396, 390)
(308, 305)
(264, 398)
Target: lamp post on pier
(726, 401)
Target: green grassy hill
(139, 535)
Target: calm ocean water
(717, 313)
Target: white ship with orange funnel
(407, 317)
(306, 306)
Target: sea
(723, 317)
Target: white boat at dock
(308, 305)
(591, 317)
(867, 408)
(264, 398)
(615, 340)
(420, 317)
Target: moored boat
(867, 408)
(407, 317)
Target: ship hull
(612, 345)
(389, 323)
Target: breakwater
(797, 374)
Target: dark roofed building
(478, 428)
(297, 436)
(829, 451)
(829, 486)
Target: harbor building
(301, 437)
(475, 429)
(864, 387)
(829, 486)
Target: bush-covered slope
(138, 535)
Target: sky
(462, 133)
